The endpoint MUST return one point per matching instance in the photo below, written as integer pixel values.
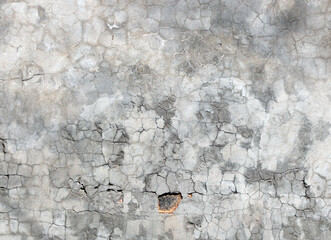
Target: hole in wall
(168, 202)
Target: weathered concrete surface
(107, 104)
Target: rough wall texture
(106, 105)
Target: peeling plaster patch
(168, 202)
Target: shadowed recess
(168, 202)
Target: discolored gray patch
(321, 130)
(104, 81)
(260, 88)
(4, 28)
(165, 109)
(293, 18)
(214, 112)
(42, 13)
(209, 156)
(187, 68)
(304, 138)
(139, 70)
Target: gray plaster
(107, 104)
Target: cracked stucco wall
(107, 104)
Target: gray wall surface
(105, 105)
